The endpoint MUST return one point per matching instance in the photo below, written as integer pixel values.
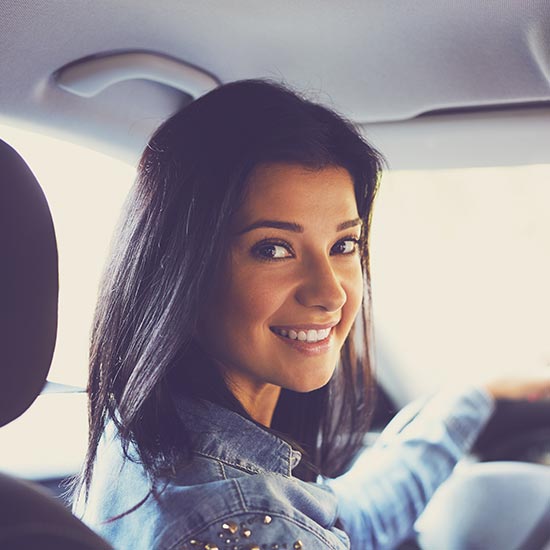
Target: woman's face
(292, 283)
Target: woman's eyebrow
(294, 227)
(348, 224)
(274, 224)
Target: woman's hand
(532, 386)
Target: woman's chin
(309, 384)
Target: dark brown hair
(171, 241)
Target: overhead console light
(89, 76)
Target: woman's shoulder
(206, 504)
(255, 530)
(252, 511)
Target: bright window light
(461, 275)
(85, 191)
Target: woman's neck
(259, 401)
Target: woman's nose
(321, 286)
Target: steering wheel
(517, 431)
(503, 501)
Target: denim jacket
(238, 492)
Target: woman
(230, 384)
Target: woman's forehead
(292, 192)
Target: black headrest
(28, 286)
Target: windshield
(461, 271)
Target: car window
(461, 271)
(85, 191)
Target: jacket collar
(227, 436)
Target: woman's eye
(271, 251)
(345, 246)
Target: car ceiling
(382, 64)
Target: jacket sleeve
(387, 488)
(258, 531)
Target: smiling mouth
(310, 336)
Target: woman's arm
(388, 487)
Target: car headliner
(379, 63)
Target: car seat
(29, 517)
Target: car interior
(456, 96)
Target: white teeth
(322, 334)
(310, 335)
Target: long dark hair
(171, 241)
